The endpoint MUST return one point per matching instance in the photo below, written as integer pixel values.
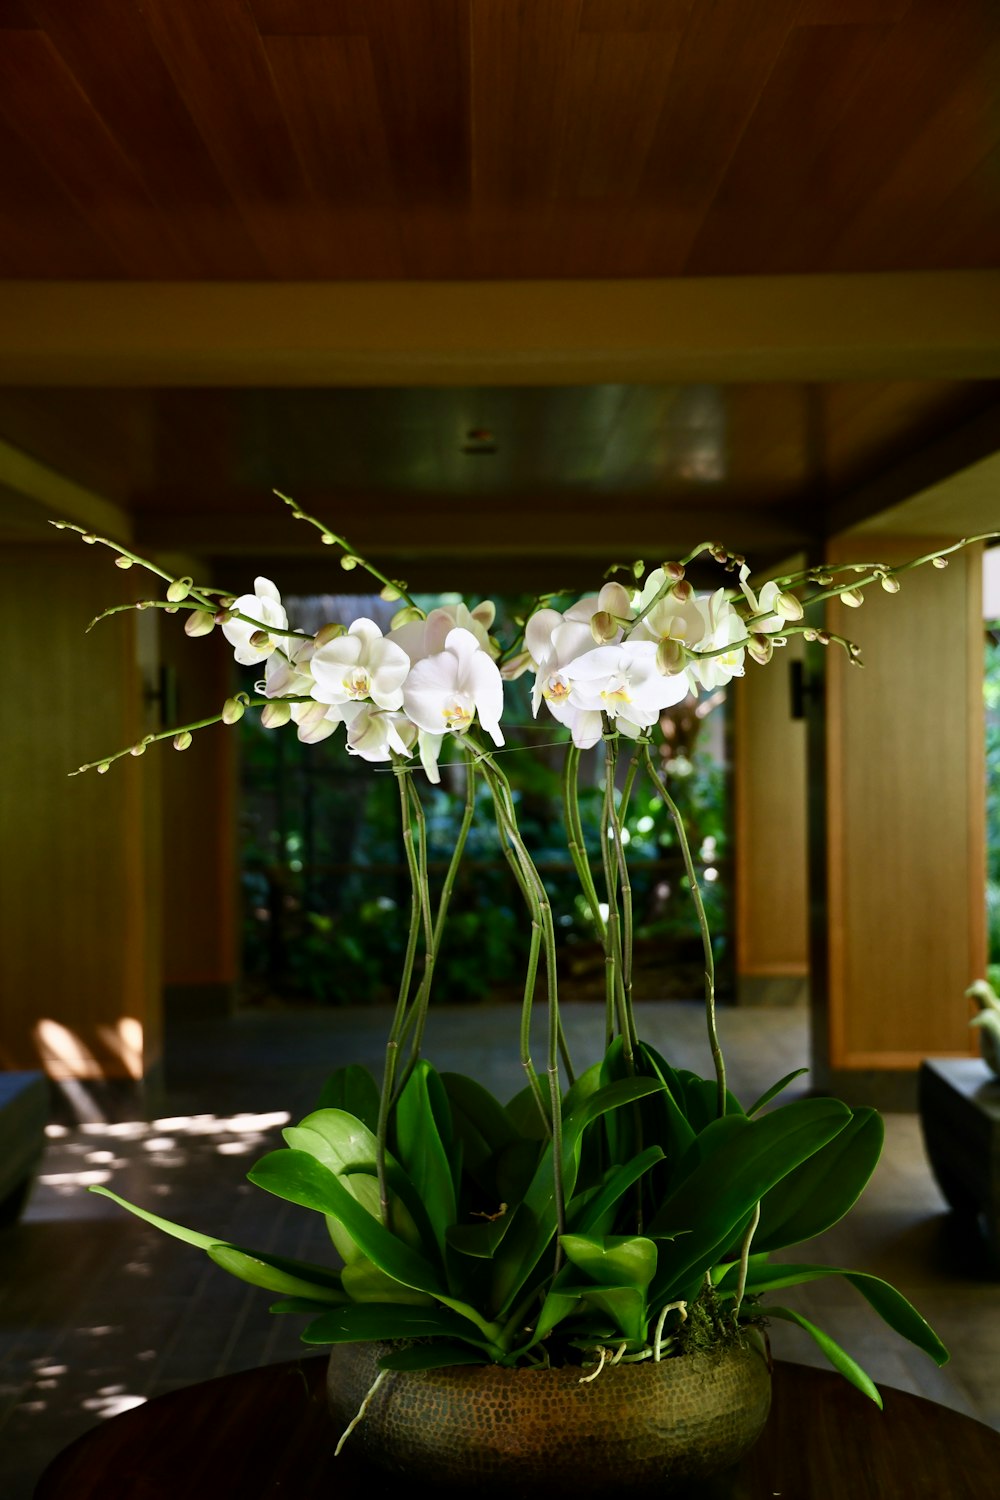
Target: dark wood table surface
(267, 1433)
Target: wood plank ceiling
(284, 140)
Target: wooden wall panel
(79, 908)
(906, 814)
(769, 786)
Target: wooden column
(769, 792)
(902, 930)
(79, 884)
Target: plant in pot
(577, 1278)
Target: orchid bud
(104, 767)
(809, 635)
(890, 583)
(638, 569)
(328, 539)
(327, 633)
(260, 639)
(348, 562)
(223, 617)
(760, 647)
(603, 627)
(674, 571)
(406, 616)
(823, 636)
(670, 657)
(274, 715)
(182, 740)
(854, 597)
(789, 607)
(144, 604)
(939, 562)
(170, 609)
(89, 538)
(232, 711)
(199, 622)
(123, 562)
(179, 590)
(390, 593)
(855, 651)
(682, 591)
(139, 749)
(823, 579)
(614, 599)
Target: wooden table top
(264, 1434)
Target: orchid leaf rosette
(623, 1209)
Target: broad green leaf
(613, 1260)
(707, 1142)
(366, 1282)
(302, 1179)
(838, 1357)
(558, 1306)
(819, 1193)
(374, 1321)
(189, 1236)
(600, 1207)
(423, 1125)
(891, 1306)
(719, 1195)
(681, 1133)
(624, 1305)
(523, 1113)
(339, 1140)
(272, 1275)
(480, 1108)
(581, 1089)
(353, 1090)
(776, 1089)
(436, 1356)
(480, 1240)
(299, 1305)
(700, 1099)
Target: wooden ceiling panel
(111, 54)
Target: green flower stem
(396, 1031)
(614, 960)
(576, 842)
(420, 1009)
(134, 557)
(625, 885)
(332, 539)
(168, 734)
(706, 937)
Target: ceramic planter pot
(517, 1431)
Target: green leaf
(178, 1231)
(364, 1281)
(524, 1115)
(624, 1305)
(820, 1191)
(716, 1199)
(480, 1108)
(838, 1357)
(353, 1090)
(613, 1260)
(596, 1214)
(372, 1321)
(776, 1089)
(299, 1305)
(423, 1124)
(436, 1356)
(890, 1304)
(480, 1240)
(273, 1275)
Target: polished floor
(99, 1312)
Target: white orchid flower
(723, 627)
(376, 734)
(420, 638)
(263, 605)
(773, 607)
(360, 666)
(444, 693)
(670, 618)
(554, 642)
(288, 672)
(317, 721)
(625, 683)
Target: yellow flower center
(358, 682)
(458, 715)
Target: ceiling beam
(931, 325)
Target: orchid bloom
(444, 693)
(376, 734)
(772, 605)
(669, 618)
(723, 627)
(420, 638)
(360, 666)
(553, 641)
(263, 605)
(624, 683)
(288, 672)
(316, 721)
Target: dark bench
(24, 1113)
(959, 1101)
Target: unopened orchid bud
(674, 571)
(104, 768)
(810, 634)
(179, 590)
(223, 617)
(328, 539)
(719, 552)
(232, 711)
(638, 569)
(260, 639)
(823, 578)
(89, 538)
(327, 633)
(199, 622)
(123, 563)
(406, 616)
(274, 715)
(139, 749)
(614, 599)
(854, 650)
(670, 657)
(348, 562)
(144, 604)
(683, 591)
(760, 647)
(182, 740)
(854, 597)
(890, 583)
(603, 627)
(939, 562)
(171, 609)
(390, 593)
(789, 607)
(823, 637)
